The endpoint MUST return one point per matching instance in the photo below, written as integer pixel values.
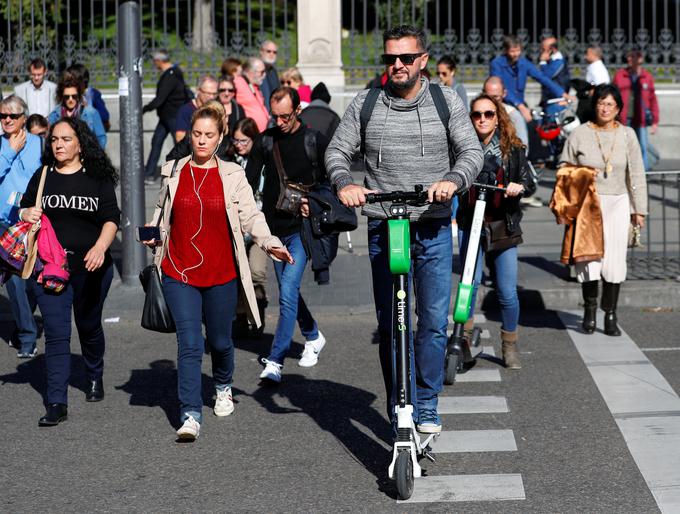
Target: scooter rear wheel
(403, 472)
(450, 367)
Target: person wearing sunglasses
(207, 91)
(292, 77)
(19, 159)
(72, 104)
(446, 72)
(226, 94)
(505, 164)
(407, 143)
(268, 53)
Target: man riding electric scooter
(410, 133)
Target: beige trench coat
(242, 213)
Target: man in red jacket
(640, 106)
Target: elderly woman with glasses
(505, 164)
(19, 159)
(226, 94)
(72, 104)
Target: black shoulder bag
(156, 315)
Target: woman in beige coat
(613, 149)
(202, 259)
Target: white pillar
(319, 42)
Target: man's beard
(404, 86)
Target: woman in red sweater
(209, 207)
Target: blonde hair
(292, 74)
(212, 110)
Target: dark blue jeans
(22, 302)
(291, 305)
(505, 264)
(431, 275)
(190, 306)
(84, 294)
(159, 134)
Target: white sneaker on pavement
(224, 404)
(190, 430)
(272, 371)
(310, 356)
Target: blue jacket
(515, 78)
(94, 98)
(16, 169)
(90, 116)
(557, 70)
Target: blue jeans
(159, 134)
(431, 275)
(85, 293)
(22, 302)
(291, 305)
(190, 306)
(505, 264)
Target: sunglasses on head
(226, 90)
(477, 115)
(14, 116)
(390, 59)
(71, 97)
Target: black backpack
(310, 149)
(372, 98)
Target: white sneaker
(224, 404)
(310, 356)
(531, 201)
(272, 371)
(190, 430)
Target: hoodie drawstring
(420, 125)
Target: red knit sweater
(183, 261)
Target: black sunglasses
(390, 59)
(71, 97)
(477, 115)
(14, 116)
(226, 90)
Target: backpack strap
(310, 150)
(365, 114)
(442, 108)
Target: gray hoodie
(406, 145)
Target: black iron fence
(659, 257)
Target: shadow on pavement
(532, 310)
(33, 372)
(336, 408)
(263, 345)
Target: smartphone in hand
(148, 233)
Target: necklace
(608, 168)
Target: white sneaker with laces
(224, 404)
(190, 430)
(272, 371)
(310, 356)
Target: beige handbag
(32, 236)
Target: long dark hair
(97, 164)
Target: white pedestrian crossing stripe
(466, 488)
(643, 403)
(479, 375)
(472, 405)
(462, 441)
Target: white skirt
(615, 223)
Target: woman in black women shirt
(80, 202)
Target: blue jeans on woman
(85, 293)
(505, 264)
(291, 305)
(431, 274)
(190, 306)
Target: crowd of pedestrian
(252, 145)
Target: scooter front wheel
(403, 472)
(450, 367)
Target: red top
(183, 261)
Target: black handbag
(498, 237)
(156, 315)
(290, 193)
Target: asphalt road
(320, 441)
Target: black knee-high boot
(589, 290)
(610, 297)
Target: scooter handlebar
(488, 187)
(416, 197)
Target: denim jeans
(190, 306)
(22, 302)
(85, 293)
(431, 275)
(291, 305)
(505, 267)
(159, 134)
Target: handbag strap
(279, 164)
(41, 188)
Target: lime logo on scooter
(401, 309)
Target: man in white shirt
(38, 93)
(596, 72)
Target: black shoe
(610, 326)
(589, 290)
(610, 299)
(56, 413)
(96, 392)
